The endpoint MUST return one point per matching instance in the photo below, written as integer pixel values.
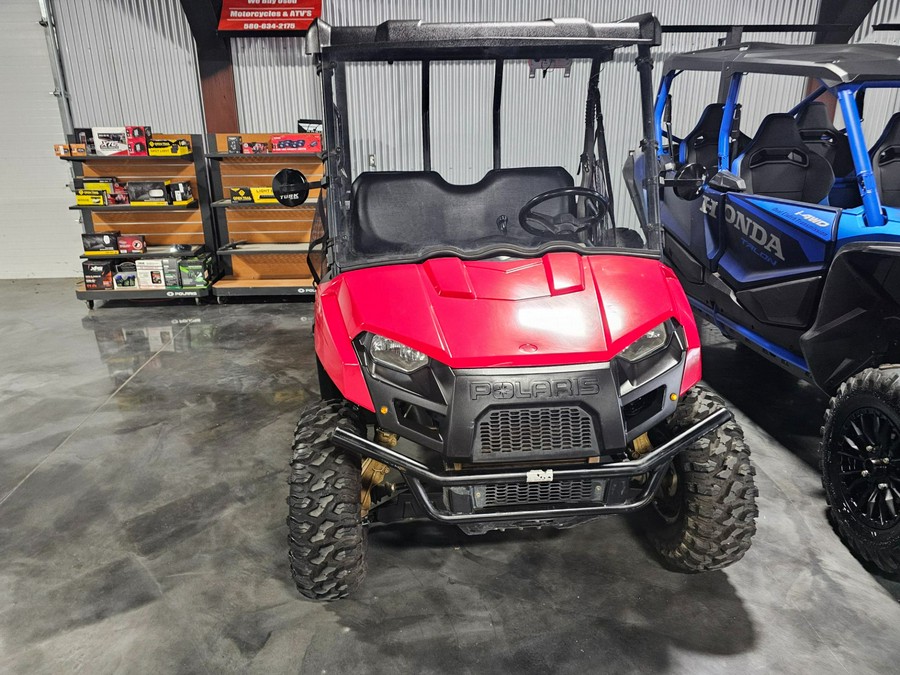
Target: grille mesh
(535, 430)
(507, 494)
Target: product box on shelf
(132, 243)
(110, 140)
(78, 149)
(197, 271)
(100, 243)
(86, 136)
(234, 145)
(117, 199)
(98, 274)
(148, 192)
(254, 148)
(308, 126)
(90, 198)
(150, 273)
(125, 275)
(253, 195)
(180, 193)
(116, 192)
(106, 184)
(171, 275)
(241, 195)
(62, 150)
(296, 143)
(160, 147)
(137, 140)
(263, 195)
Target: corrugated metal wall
(269, 70)
(130, 61)
(277, 84)
(880, 104)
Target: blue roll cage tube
(846, 96)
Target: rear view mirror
(290, 187)
(689, 180)
(725, 181)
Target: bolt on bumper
(417, 473)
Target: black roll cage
(335, 46)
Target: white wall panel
(130, 62)
(38, 236)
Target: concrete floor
(143, 456)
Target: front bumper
(616, 495)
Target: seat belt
(594, 164)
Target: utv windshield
(490, 156)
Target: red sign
(267, 15)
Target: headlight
(651, 341)
(396, 355)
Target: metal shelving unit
(162, 226)
(267, 256)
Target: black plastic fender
(858, 322)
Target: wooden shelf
(123, 207)
(151, 252)
(266, 155)
(120, 158)
(231, 286)
(263, 249)
(228, 204)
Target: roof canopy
(416, 40)
(835, 64)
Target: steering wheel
(564, 225)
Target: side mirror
(687, 181)
(290, 187)
(725, 181)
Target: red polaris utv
(509, 353)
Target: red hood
(557, 310)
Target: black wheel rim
(669, 499)
(866, 467)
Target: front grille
(562, 492)
(559, 430)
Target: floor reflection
(126, 348)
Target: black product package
(85, 135)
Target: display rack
(262, 247)
(162, 226)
